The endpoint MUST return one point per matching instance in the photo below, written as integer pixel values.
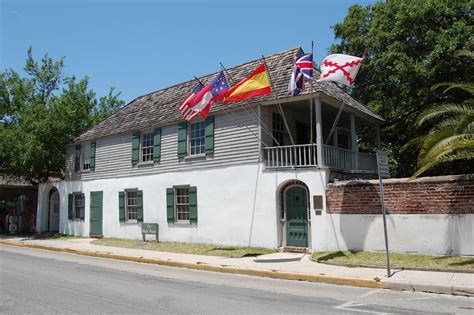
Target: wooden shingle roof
(160, 108)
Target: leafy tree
(451, 138)
(41, 113)
(408, 47)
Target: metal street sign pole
(382, 166)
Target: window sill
(195, 157)
(146, 164)
(182, 224)
(130, 222)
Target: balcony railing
(290, 156)
(344, 159)
(305, 155)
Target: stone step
(296, 249)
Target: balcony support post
(354, 147)
(319, 131)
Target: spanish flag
(256, 84)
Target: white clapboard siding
(233, 144)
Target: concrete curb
(276, 274)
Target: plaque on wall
(317, 202)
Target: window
(182, 203)
(197, 135)
(131, 205)
(343, 138)
(78, 205)
(278, 129)
(85, 157)
(147, 147)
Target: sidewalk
(290, 266)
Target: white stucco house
(237, 178)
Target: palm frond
(432, 139)
(464, 53)
(442, 111)
(465, 86)
(447, 145)
(459, 155)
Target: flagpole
(278, 100)
(265, 128)
(198, 80)
(311, 99)
(239, 120)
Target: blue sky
(142, 46)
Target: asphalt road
(43, 282)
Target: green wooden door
(96, 213)
(297, 216)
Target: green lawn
(397, 260)
(186, 248)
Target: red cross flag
(340, 68)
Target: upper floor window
(343, 138)
(85, 157)
(197, 135)
(196, 139)
(278, 129)
(147, 144)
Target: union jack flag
(305, 63)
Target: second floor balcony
(316, 133)
(305, 155)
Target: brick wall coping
(406, 180)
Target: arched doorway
(294, 203)
(53, 210)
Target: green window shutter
(70, 200)
(82, 210)
(170, 204)
(157, 145)
(121, 206)
(92, 156)
(193, 212)
(140, 206)
(77, 158)
(135, 147)
(182, 131)
(209, 140)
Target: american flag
(201, 102)
(305, 63)
(184, 108)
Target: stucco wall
(236, 205)
(443, 234)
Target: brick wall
(426, 195)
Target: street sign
(382, 164)
(150, 228)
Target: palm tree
(452, 136)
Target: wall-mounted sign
(317, 202)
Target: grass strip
(186, 248)
(397, 260)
